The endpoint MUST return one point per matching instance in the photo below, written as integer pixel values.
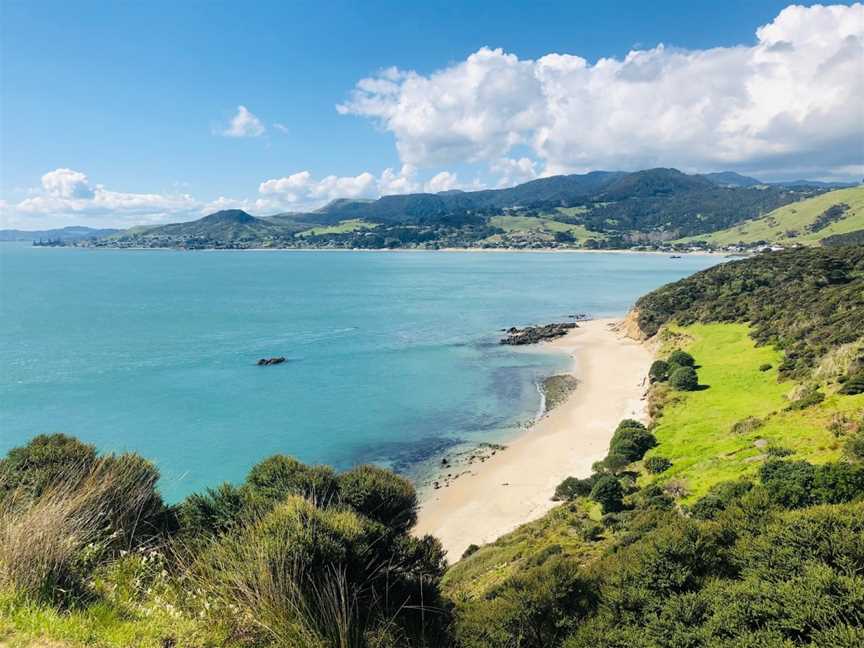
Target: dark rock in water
(263, 362)
(535, 334)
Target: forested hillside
(598, 209)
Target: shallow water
(392, 357)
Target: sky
(125, 113)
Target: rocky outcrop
(263, 362)
(629, 327)
(535, 334)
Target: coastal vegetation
(735, 517)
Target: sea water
(391, 357)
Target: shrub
(789, 483)
(214, 511)
(657, 464)
(470, 550)
(778, 451)
(380, 495)
(854, 384)
(571, 488)
(608, 492)
(537, 607)
(681, 359)
(630, 442)
(838, 482)
(809, 399)
(44, 462)
(659, 371)
(765, 366)
(275, 478)
(684, 379)
(747, 425)
(854, 446)
(719, 497)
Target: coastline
(513, 486)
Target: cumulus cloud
(302, 191)
(244, 124)
(67, 197)
(794, 100)
(66, 183)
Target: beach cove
(515, 485)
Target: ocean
(391, 357)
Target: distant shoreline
(391, 250)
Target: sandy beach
(514, 486)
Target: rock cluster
(535, 334)
(263, 362)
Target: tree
(608, 493)
(657, 464)
(681, 358)
(659, 371)
(684, 379)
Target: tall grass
(49, 544)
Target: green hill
(806, 222)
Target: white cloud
(282, 128)
(792, 99)
(244, 124)
(66, 183)
(512, 172)
(444, 181)
(67, 197)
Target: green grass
(100, 625)
(695, 428)
(493, 563)
(516, 224)
(343, 227)
(788, 224)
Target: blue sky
(132, 102)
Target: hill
(72, 233)
(222, 229)
(807, 222)
(600, 209)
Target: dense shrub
(834, 483)
(854, 384)
(719, 497)
(470, 550)
(608, 492)
(657, 464)
(684, 379)
(809, 399)
(45, 461)
(766, 366)
(380, 495)
(659, 371)
(679, 358)
(571, 488)
(789, 483)
(778, 451)
(631, 440)
(279, 476)
(854, 446)
(534, 609)
(214, 511)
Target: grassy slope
(493, 563)
(515, 224)
(345, 226)
(773, 227)
(694, 430)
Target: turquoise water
(392, 357)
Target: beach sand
(515, 486)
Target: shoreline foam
(514, 486)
